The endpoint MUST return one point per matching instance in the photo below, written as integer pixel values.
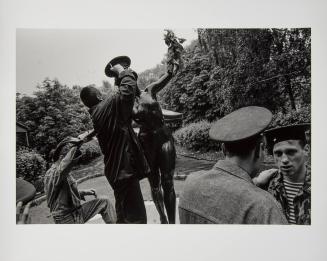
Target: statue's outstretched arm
(158, 85)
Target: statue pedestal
(171, 116)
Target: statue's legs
(157, 196)
(167, 162)
(151, 148)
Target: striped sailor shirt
(295, 199)
(291, 189)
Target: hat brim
(240, 125)
(113, 62)
(25, 191)
(283, 133)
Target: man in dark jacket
(125, 163)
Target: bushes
(30, 166)
(90, 151)
(195, 136)
(302, 115)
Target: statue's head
(90, 96)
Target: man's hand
(87, 192)
(264, 177)
(93, 193)
(22, 215)
(86, 136)
(117, 69)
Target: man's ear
(99, 96)
(223, 148)
(262, 146)
(258, 150)
(306, 149)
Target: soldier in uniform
(290, 184)
(226, 194)
(125, 163)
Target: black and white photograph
(188, 138)
(196, 130)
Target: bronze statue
(158, 145)
(156, 138)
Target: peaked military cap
(290, 132)
(113, 62)
(241, 124)
(25, 191)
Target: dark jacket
(118, 142)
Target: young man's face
(290, 157)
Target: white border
(151, 242)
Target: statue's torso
(147, 113)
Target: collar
(92, 109)
(233, 169)
(277, 181)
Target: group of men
(231, 193)
(228, 193)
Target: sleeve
(127, 86)
(276, 216)
(266, 211)
(65, 166)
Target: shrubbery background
(195, 136)
(30, 166)
(90, 151)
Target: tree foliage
(226, 69)
(54, 112)
(29, 165)
(148, 76)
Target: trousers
(130, 208)
(86, 211)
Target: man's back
(226, 195)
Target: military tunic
(226, 195)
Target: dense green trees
(230, 68)
(54, 112)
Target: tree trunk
(290, 92)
